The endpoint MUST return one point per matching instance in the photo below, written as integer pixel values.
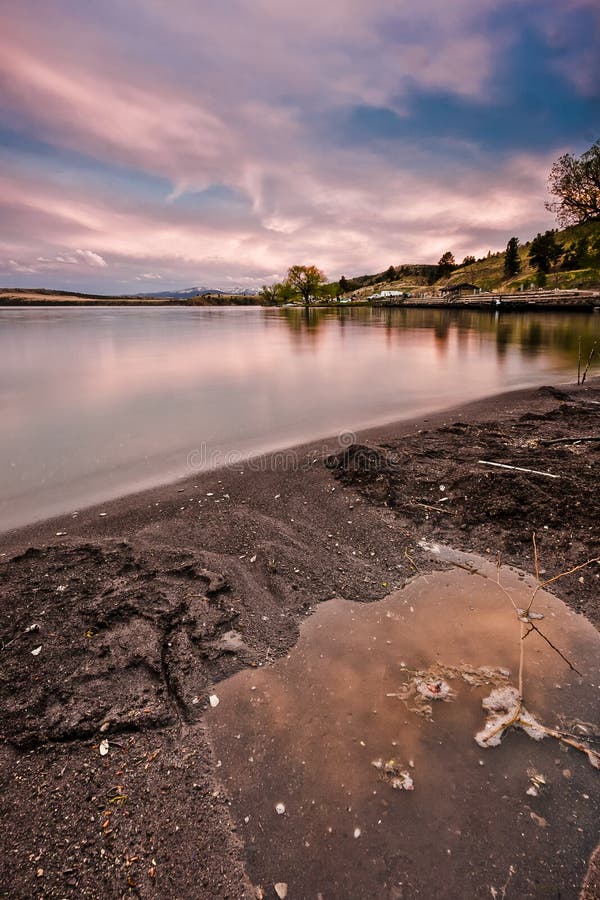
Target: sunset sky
(147, 145)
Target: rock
(358, 459)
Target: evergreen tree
(446, 263)
(577, 256)
(512, 260)
(545, 251)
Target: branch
(569, 440)
(533, 627)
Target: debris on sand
(539, 820)
(538, 783)
(359, 459)
(213, 700)
(281, 889)
(391, 772)
(437, 689)
(427, 685)
(504, 710)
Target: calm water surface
(306, 731)
(100, 401)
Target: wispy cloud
(196, 142)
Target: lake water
(99, 401)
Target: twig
(589, 360)
(572, 571)
(533, 627)
(414, 565)
(514, 606)
(521, 664)
(448, 512)
(570, 440)
(579, 361)
(485, 462)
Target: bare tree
(575, 182)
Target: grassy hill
(488, 273)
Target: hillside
(488, 273)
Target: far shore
(112, 595)
(549, 299)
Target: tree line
(574, 183)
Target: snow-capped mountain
(198, 292)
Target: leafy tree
(577, 256)
(344, 286)
(329, 292)
(275, 294)
(512, 260)
(269, 294)
(390, 274)
(575, 182)
(306, 281)
(446, 262)
(468, 260)
(545, 251)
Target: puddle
(336, 731)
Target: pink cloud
(225, 105)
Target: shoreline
(508, 305)
(502, 403)
(139, 613)
(257, 460)
(557, 300)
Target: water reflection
(306, 732)
(99, 401)
(528, 331)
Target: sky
(147, 145)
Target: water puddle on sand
(316, 752)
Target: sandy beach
(133, 604)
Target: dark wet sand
(135, 607)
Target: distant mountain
(186, 293)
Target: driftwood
(570, 440)
(485, 462)
(439, 509)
